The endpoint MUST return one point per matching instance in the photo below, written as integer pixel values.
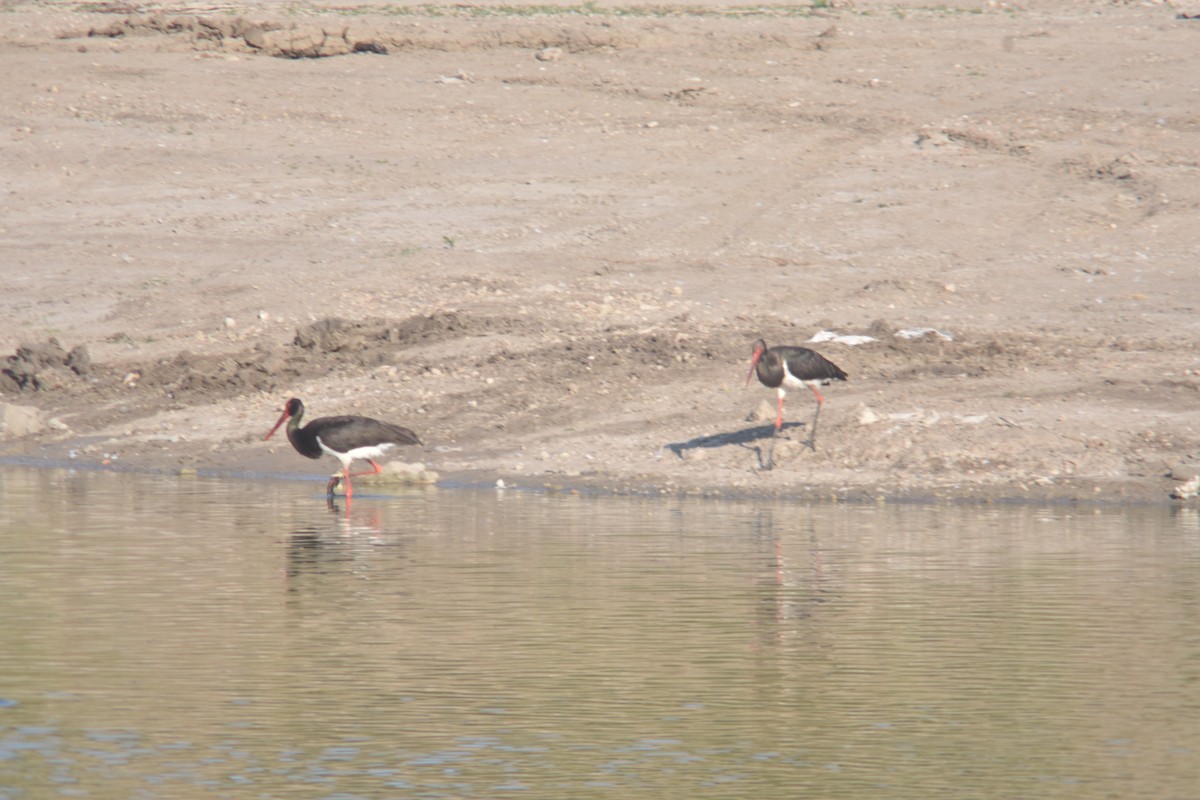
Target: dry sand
(545, 238)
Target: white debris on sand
(921, 333)
(850, 339)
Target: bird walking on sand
(345, 438)
(786, 367)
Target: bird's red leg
(377, 469)
(348, 475)
(774, 434)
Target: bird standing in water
(345, 438)
(783, 367)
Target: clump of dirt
(356, 337)
(45, 366)
(188, 375)
(328, 346)
(199, 29)
(338, 335)
(315, 39)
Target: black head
(760, 347)
(292, 409)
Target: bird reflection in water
(322, 549)
(795, 588)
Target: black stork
(345, 438)
(786, 367)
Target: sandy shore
(546, 241)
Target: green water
(171, 638)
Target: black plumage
(786, 366)
(346, 438)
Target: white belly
(370, 452)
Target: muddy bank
(546, 242)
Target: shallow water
(174, 638)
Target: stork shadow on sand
(749, 438)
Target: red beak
(282, 419)
(758, 352)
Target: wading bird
(786, 367)
(345, 438)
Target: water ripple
(166, 637)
